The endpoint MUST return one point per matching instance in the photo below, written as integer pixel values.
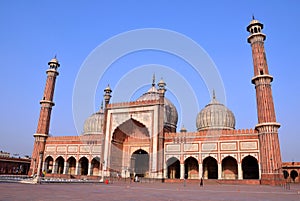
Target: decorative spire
(153, 80)
(183, 129)
(214, 95)
(161, 88)
(107, 96)
(253, 18)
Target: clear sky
(32, 32)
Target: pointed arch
(129, 132)
(191, 169)
(285, 174)
(49, 164)
(294, 174)
(83, 166)
(60, 163)
(95, 166)
(210, 168)
(71, 162)
(173, 168)
(229, 168)
(130, 128)
(250, 168)
(140, 163)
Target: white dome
(215, 116)
(94, 123)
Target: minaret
(160, 146)
(42, 131)
(104, 166)
(267, 127)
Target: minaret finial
(253, 18)
(214, 95)
(101, 107)
(153, 80)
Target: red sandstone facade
(140, 138)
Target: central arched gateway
(140, 163)
(126, 138)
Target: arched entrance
(129, 133)
(140, 163)
(83, 166)
(60, 165)
(210, 168)
(95, 166)
(250, 168)
(191, 168)
(49, 164)
(173, 165)
(294, 174)
(72, 165)
(285, 174)
(229, 168)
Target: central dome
(171, 115)
(215, 116)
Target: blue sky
(32, 32)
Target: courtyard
(145, 191)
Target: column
(33, 168)
(165, 171)
(200, 170)
(66, 167)
(44, 165)
(182, 171)
(219, 171)
(259, 171)
(54, 167)
(77, 168)
(240, 171)
(89, 169)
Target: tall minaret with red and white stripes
(267, 127)
(42, 131)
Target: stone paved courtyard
(144, 192)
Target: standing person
(201, 182)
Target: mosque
(140, 138)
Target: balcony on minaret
(53, 64)
(255, 29)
